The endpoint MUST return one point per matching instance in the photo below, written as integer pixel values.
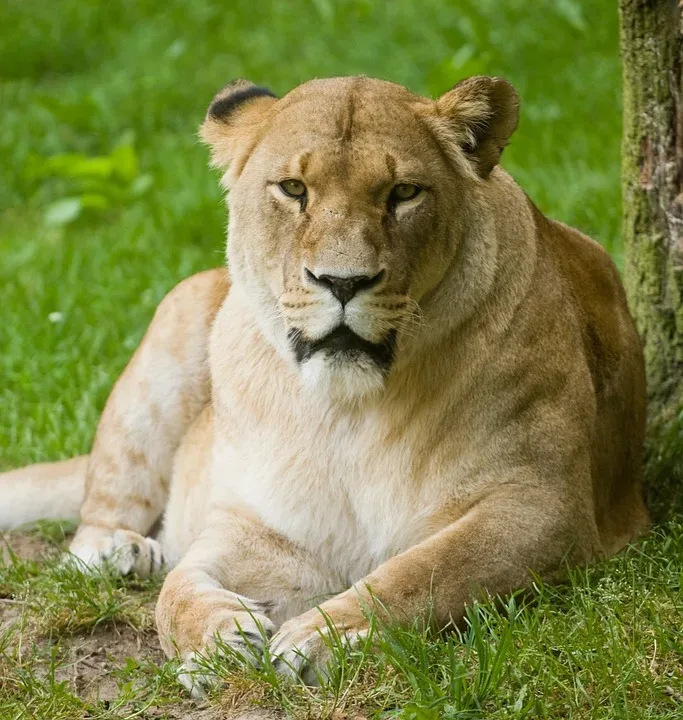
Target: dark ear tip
(232, 96)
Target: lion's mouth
(342, 341)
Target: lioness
(409, 386)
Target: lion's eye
(405, 191)
(293, 188)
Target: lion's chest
(339, 492)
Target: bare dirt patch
(27, 546)
(91, 660)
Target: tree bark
(652, 180)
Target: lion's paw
(241, 635)
(124, 551)
(304, 645)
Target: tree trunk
(652, 53)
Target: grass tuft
(58, 598)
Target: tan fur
(504, 438)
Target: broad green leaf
(63, 212)
(124, 161)
(75, 165)
(95, 201)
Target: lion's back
(613, 353)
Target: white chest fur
(341, 483)
(352, 486)
(331, 487)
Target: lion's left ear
(482, 113)
(233, 120)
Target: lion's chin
(341, 377)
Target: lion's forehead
(380, 148)
(358, 115)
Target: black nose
(345, 288)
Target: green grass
(607, 644)
(128, 82)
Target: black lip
(343, 340)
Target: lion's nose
(345, 288)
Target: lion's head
(349, 200)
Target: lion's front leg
(197, 616)
(236, 583)
(156, 399)
(492, 550)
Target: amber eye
(405, 191)
(293, 188)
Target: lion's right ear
(232, 122)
